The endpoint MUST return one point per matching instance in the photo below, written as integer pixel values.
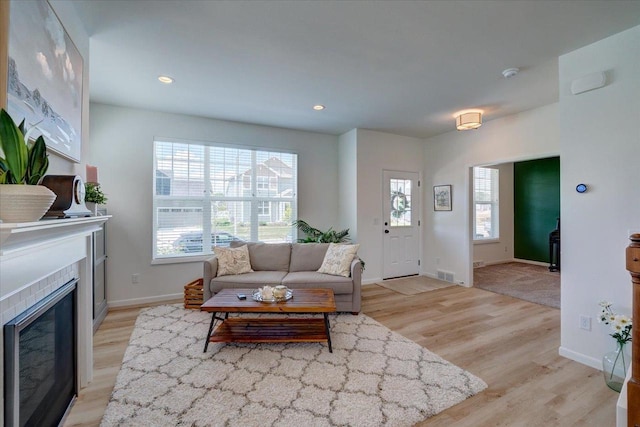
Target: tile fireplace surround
(36, 258)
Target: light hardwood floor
(511, 344)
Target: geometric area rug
(373, 377)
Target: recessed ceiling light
(165, 79)
(318, 107)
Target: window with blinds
(210, 195)
(486, 203)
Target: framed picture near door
(442, 198)
(44, 84)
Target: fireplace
(36, 260)
(40, 355)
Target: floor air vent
(445, 275)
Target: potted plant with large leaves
(315, 235)
(22, 166)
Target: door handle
(386, 231)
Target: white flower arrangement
(620, 323)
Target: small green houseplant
(93, 194)
(21, 162)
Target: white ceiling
(394, 66)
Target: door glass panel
(400, 199)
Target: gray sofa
(292, 264)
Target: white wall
(348, 183)
(378, 151)
(122, 148)
(501, 250)
(601, 148)
(448, 159)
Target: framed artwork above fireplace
(44, 81)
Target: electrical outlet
(135, 278)
(585, 322)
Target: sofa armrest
(356, 276)
(210, 271)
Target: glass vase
(614, 367)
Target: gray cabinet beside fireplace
(99, 259)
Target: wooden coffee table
(262, 330)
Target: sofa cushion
(268, 256)
(248, 280)
(232, 260)
(307, 256)
(313, 279)
(338, 259)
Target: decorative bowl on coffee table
(257, 296)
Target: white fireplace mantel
(16, 236)
(36, 256)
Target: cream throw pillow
(232, 260)
(337, 260)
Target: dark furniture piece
(554, 248)
(633, 386)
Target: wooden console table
(633, 386)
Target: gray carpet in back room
(529, 282)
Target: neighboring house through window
(204, 193)
(264, 208)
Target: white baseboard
(526, 261)
(145, 300)
(371, 281)
(502, 261)
(580, 358)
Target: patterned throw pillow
(232, 260)
(337, 260)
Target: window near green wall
(219, 194)
(486, 203)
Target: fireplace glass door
(40, 361)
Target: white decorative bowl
(24, 203)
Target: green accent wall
(536, 195)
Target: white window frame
(493, 201)
(264, 208)
(208, 197)
(262, 183)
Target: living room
(340, 173)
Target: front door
(400, 224)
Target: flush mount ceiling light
(165, 79)
(468, 119)
(318, 107)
